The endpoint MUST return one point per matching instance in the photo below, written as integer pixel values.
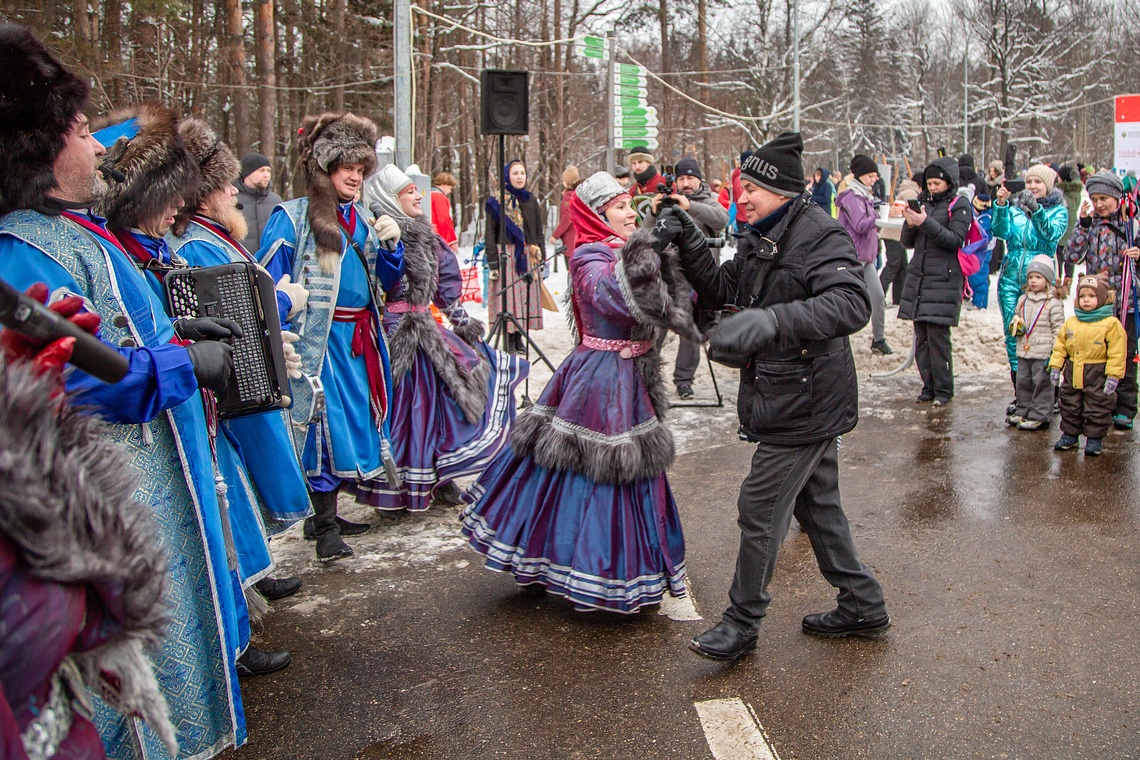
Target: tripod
(499, 335)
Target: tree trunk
(266, 77)
(235, 54)
(338, 52)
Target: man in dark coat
(256, 199)
(798, 292)
(932, 295)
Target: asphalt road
(1010, 573)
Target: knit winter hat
(1098, 285)
(251, 162)
(777, 165)
(1042, 265)
(621, 171)
(1105, 183)
(1043, 173)
(861, 164)
(598, 191)
(688, 167)
(570, 177)
(641, 153)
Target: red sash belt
(365, 342)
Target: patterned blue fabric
(356, 444)
(170, 458)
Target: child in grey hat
(1037, 320)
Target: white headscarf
(382, 190)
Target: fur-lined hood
(327, 141)
(155, 162)
(39, 100)
(217, 166)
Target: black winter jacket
(804, 389)
(933, 289)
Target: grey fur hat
(217, 166)
(39, 100)
(156, 164)
(326, 142)
(599, 189)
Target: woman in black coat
(932, 295)
(520, 269)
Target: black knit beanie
(777, 166)
(688, 167)
(251, 162)
(862, 164)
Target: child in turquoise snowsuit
(1031, 223)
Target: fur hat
(39, 100)
(217, 166)
(156, 164)
(1044, 173)
(640, 153)
(997, 166)
(1042, 265)
(326, 141)
(1099, 285)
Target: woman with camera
(579, 503)
(936, 227)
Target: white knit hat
(1042, 265)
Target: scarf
(646, 175)
(514, 220)
(860, 189)
(1095, 315)
(590, 227)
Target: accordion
(246, 294)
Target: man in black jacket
(256, 199)
(797, 291)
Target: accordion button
(120, 320)
(128, 343)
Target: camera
(668, 186)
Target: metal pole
(611, 79)
(966, 99)
(796, 65)
(402, 54)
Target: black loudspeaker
(505, 102)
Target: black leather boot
(258, 662)
(330, 546)
(723, 642)
(348, 529)
(277, 588)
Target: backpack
(973, 248)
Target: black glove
(213, 363)
(1027, 202)
(744, 334)
(666, 229)
(692, 241)
(206, 328)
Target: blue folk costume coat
(341, 442)
(157, 416)
(263, 442)
(454, 396)
(579, 501)
(241, 509)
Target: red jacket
(441, 218)
(724, 198)
(565, 230)
(738, 195)
(650, 187)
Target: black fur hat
(217, 166)
(39, 100)
(156, 164)
(326, 141)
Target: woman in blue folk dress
(579, 501)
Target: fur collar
(421, 263)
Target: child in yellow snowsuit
(1090, 351)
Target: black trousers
(894, 271)
(1126, 391)
(801, 481)
(935, 360)
(688, 359)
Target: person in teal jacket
(1031, 223)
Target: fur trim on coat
(416, 330)
(39, 100)
(325, 142)
(156, 164)
(68, 506)
(217, 167)
(660, 298)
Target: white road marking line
(733, 731)
(681, 609)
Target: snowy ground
(979, 359)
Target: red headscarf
(590, 227)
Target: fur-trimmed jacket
(602, 412)
(432, 276)
(82, 571)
